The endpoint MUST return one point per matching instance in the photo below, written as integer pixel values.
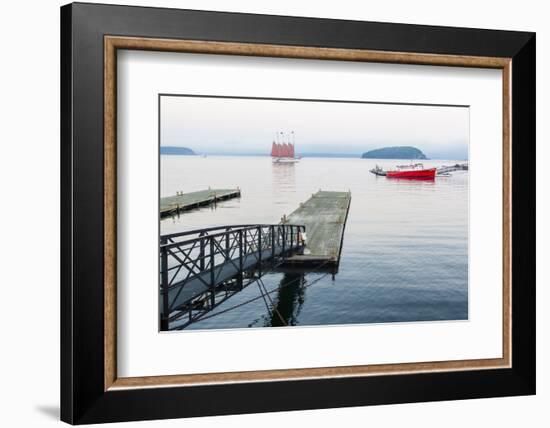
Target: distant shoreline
(313, 156)
(177, 151)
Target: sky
(249, 126)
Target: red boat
(416, 171)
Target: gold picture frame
(114, 43)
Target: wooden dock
(187, 201)
(324, 216)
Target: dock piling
(186, 201)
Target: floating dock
(446, 169)
(324, 215)
(187, 201)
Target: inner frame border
(113, 43)
(160, 95)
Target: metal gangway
(201, 269)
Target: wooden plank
(324, 216)
(186, 201)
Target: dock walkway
(324, 215)
(200, 269)
(186, 201)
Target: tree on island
(397, 152)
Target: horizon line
(308, 154)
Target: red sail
(282, 150)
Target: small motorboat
(378, 171)
(413, 171)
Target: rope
(262, 294)
(260, 281)
(246, 302)
(199, 317)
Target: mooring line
(260, 281)
(262, 294)
(269, 292)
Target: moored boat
(378, 171)
(414, 171)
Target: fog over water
(248, 126)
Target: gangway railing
(200, 269)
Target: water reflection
(403, 181)
(290, 299)
(283, 181)
(283, 307)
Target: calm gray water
(405, 250)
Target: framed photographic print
(320, 213)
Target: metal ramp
(201, 269)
